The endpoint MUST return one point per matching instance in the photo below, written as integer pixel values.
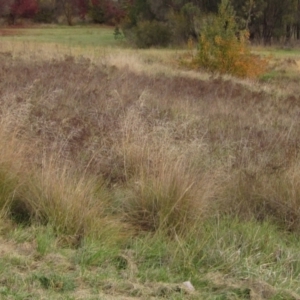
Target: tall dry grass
(172, 200)
(73, 204)
(12, 165)
(166, 152)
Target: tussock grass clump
(273, 196)
(163, 191)
(170, 200)
(73, 205)
(12, 165)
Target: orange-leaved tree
(223, 48)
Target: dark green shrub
(180, 28)
(97, 14)
(117, 33)
(148, 34)
(105, 12)
(45, 15)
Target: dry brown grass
(74, 205)
(194, 144)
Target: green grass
(231, 259)
(79, 36)
(278, 52)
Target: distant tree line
(49, 11)
(266, 20)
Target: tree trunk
(267, 35)
(288, 34)
(68, 10)
(70, 19)
(11, 19)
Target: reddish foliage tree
(83, 7)
(23, 8)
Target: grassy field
(124, 175)
(72, 36)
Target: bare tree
(69, 8)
